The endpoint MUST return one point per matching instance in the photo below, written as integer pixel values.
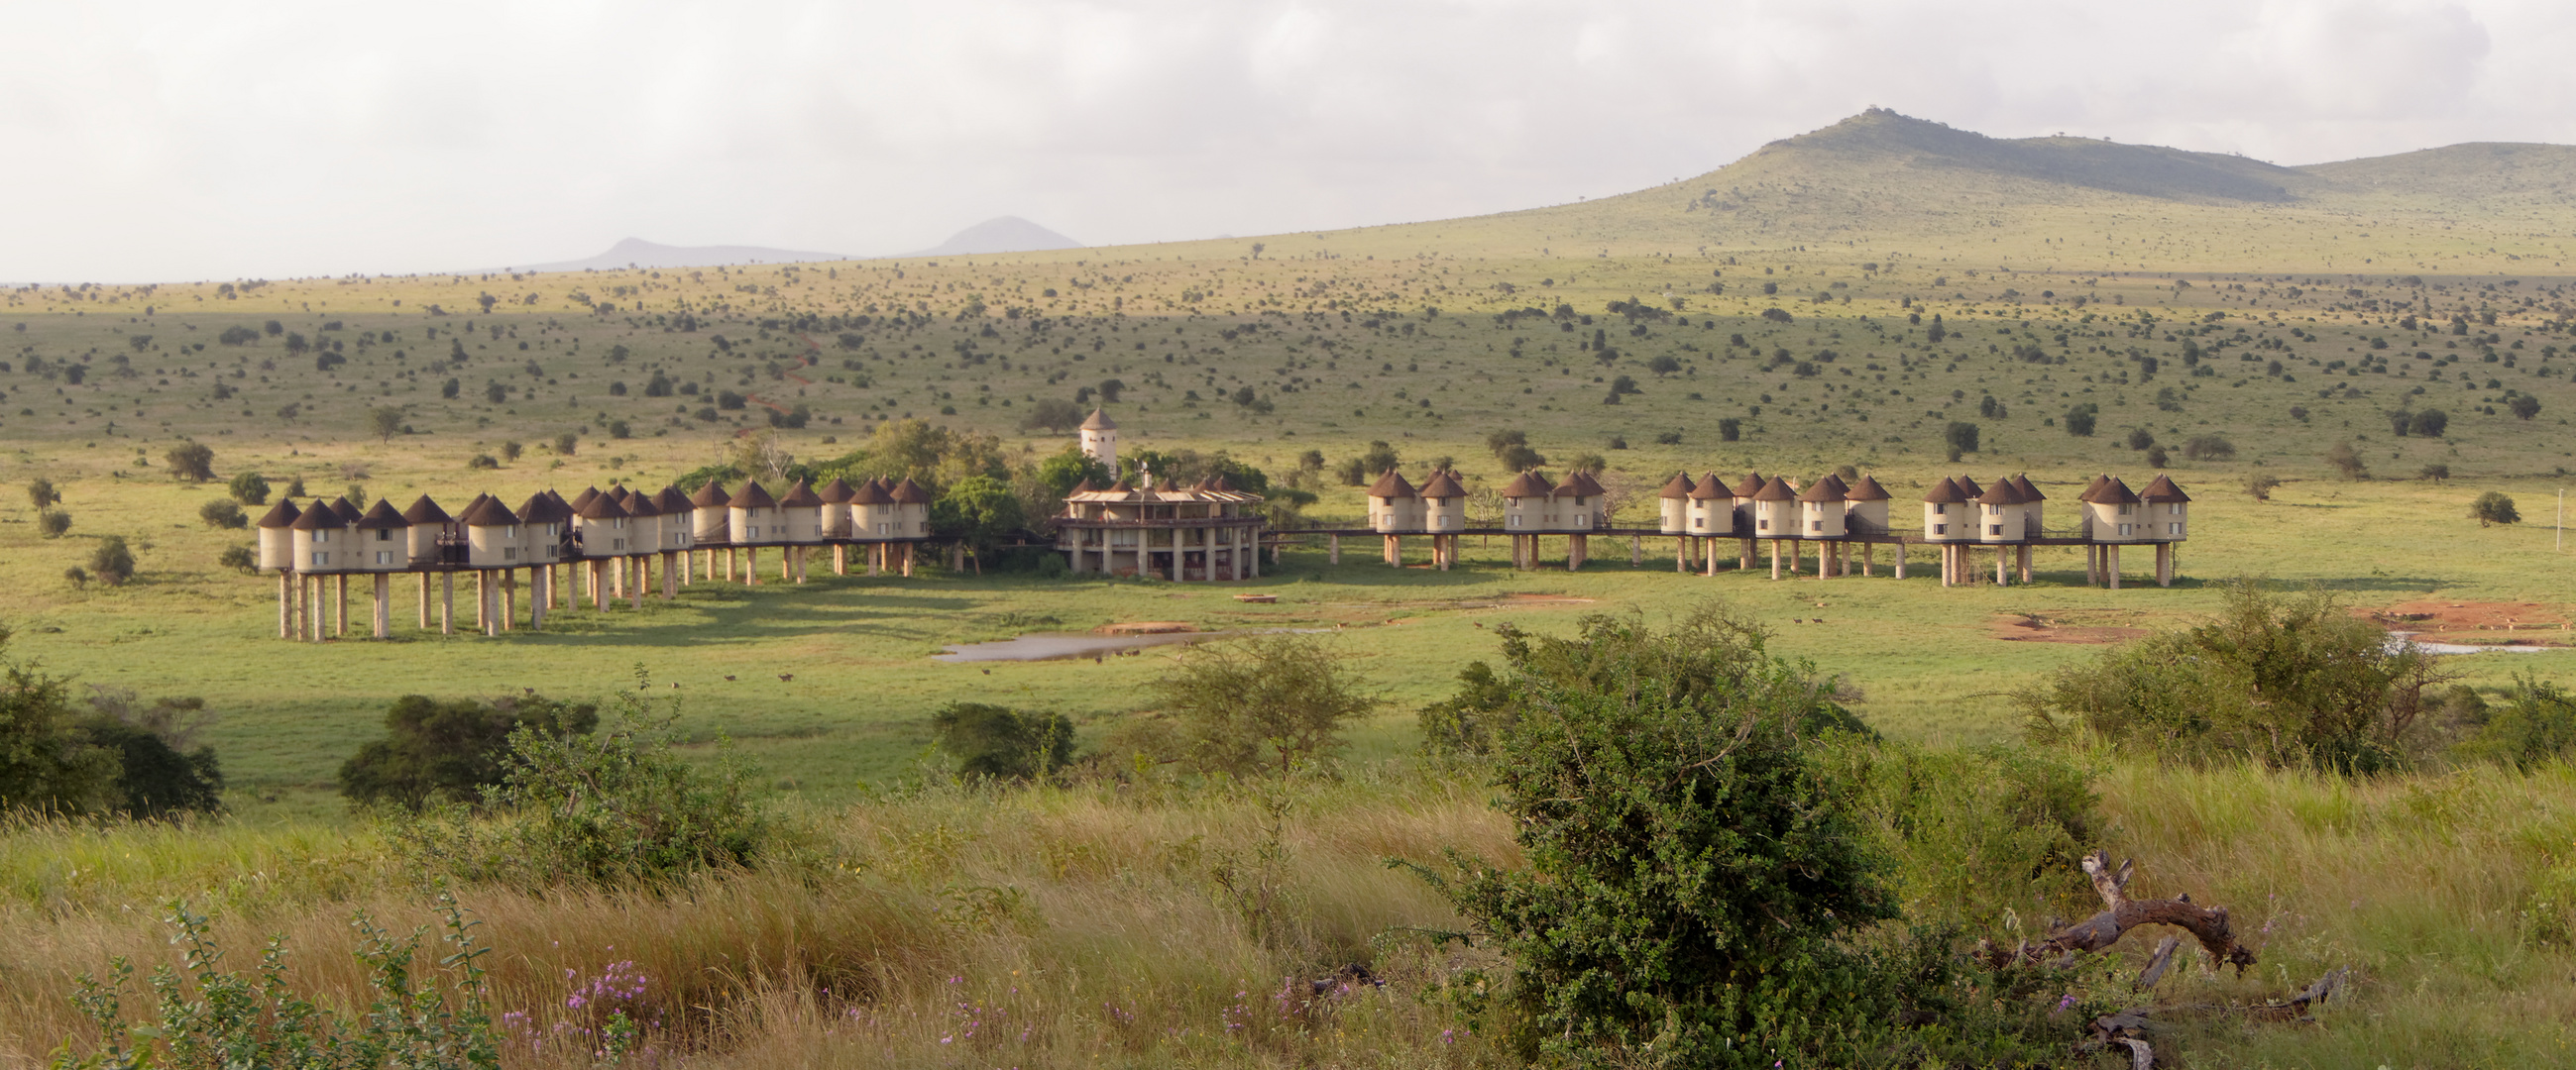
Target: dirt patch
(2438, 620)
(1562, 598)
(2028, 628)
(1145, 627)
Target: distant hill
(1889, 184)
(1000, 234)
(636, 252)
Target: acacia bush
(999, 743)
(2536, 724)
(2281, 679)
(1250, 706)
(448, 752)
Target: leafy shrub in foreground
(2535, 725)
(608, 807)
(213, 1017)
(1689, 871)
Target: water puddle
(2401, 640)
(1048, 646)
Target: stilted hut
(711, 525)
(800, 517)
(1394, 510)
(2167, 517)
(1822, 513)
(1949, 520)
(911, 520)
(1525, 502)
(277, 554)
(1444, 514)
(755, 523)
(1674, 504)
(2002, 524)
(383, 545)
(324, 551)
(834, 520)
(491, 547)
(1712, 516)
(2111, 518)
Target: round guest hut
(912, 522)
(603, 530)
(1394, 509)
(2168, 521)
(643, 541)
(800, 521)
(383, 547)
(1444, 510)
(1822, 510)
(1775, 517)
(754, 520)
(1524, 516)
(835, 520)
(1742, 496)
(322, 550)
(711, 525)
(1712, 516)
(1673, 508)
(277, 552)
(872, 520)
(1575, 507)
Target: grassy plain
(2050, 295)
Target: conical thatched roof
(1710, 489)
(1390, 486)
(1867, 490)
(1679, 489)
(284, 514)
(381, 517)
(753, 497)
(488, 512)
(2163, 490)
(1526, 485)
(425, 511)
(800, 496)
(910, 493)
(836, 492)
(1946, 492)
(711, 496)
(1752, 485)
(1441, 486)
(2110, 491)
(1774, 489)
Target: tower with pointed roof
(1100, 440)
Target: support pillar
(2003, 566)
(1681, 553)
(1899, 555)
(509, 598)
(541, 596)
(669, 591)
(1333, 552)
(751, 565)
(340, 605)
(2164, 564)
(1710, 549)
(598, 590)
(384, 617)
(1636, 550)
(1775, 559)
(424, 601)
(907, 560)
(1744, 560)
(1394, 552)
(482, 597)
(635, 590)
(2111, 566)
(840, 559)
(446, 603)
(2024, 554)
(286, 604)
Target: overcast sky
(200, 140)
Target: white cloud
(155, 139)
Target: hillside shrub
(191, 461)
(223, 514)
(248, 488)
(2347, 461)
(111, 561)
(2494, 507)
(53, 523)
(154, 779)
(2208, 448)
(238, 557)
(448, 752)
(2081, 420)
(2276, 678)
(999, 743)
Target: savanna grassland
(1841, 298)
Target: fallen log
(2120, 914)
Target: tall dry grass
(1154, 926)
(1150, 926)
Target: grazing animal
(988, 672)
(786, 676)
(728, 677)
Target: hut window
(2124, 530)
(321, 535)
(509, 553)
(2173, 529)
(1940, 529)
(2125, 509)
(320, 558)
(1940, 509)
(384, 557)
(1815, 525)
(1699, 521)
(1763, 524)
(2174, 509)
(1578, 502)
(1515, 520)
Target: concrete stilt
(669, 591)
(840, 559)
(1775, 559)
(1394, 551)
(635, 590)
(751, 565)
(2164, 564)
(1899, 555)
(1333, 549)
(446, 603)
(424, 601)
(541, 596)
(384, 616)
(285, 604)
(509, 598)
(340, 604)
(2003, 562)
(2111, 564)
